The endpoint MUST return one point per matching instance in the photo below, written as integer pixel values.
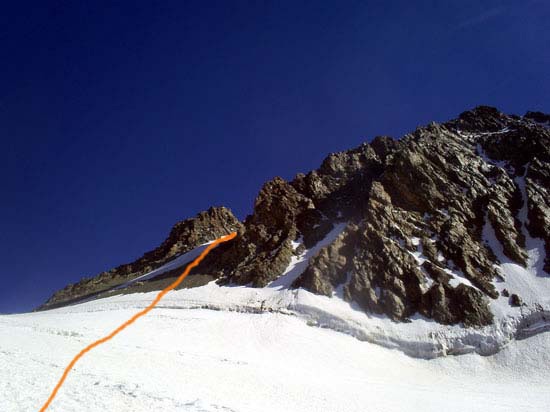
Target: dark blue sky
(117, 120)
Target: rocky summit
(414, 213)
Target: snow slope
(238, 348)
(175, 263)
(204, 360)
(421, 338)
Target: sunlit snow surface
(204, 360)
(238, 348)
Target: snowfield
(238, 348)
(205, 360)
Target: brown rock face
(340, 187)
(538, 203)
(263, 249)
(184, 236)
(415, 209)
(328, 268)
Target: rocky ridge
(184, 236)
(415, 210)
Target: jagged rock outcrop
(263, 248)
(415, 212)
(538, 206)
(184, 236)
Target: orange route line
(136, 316)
